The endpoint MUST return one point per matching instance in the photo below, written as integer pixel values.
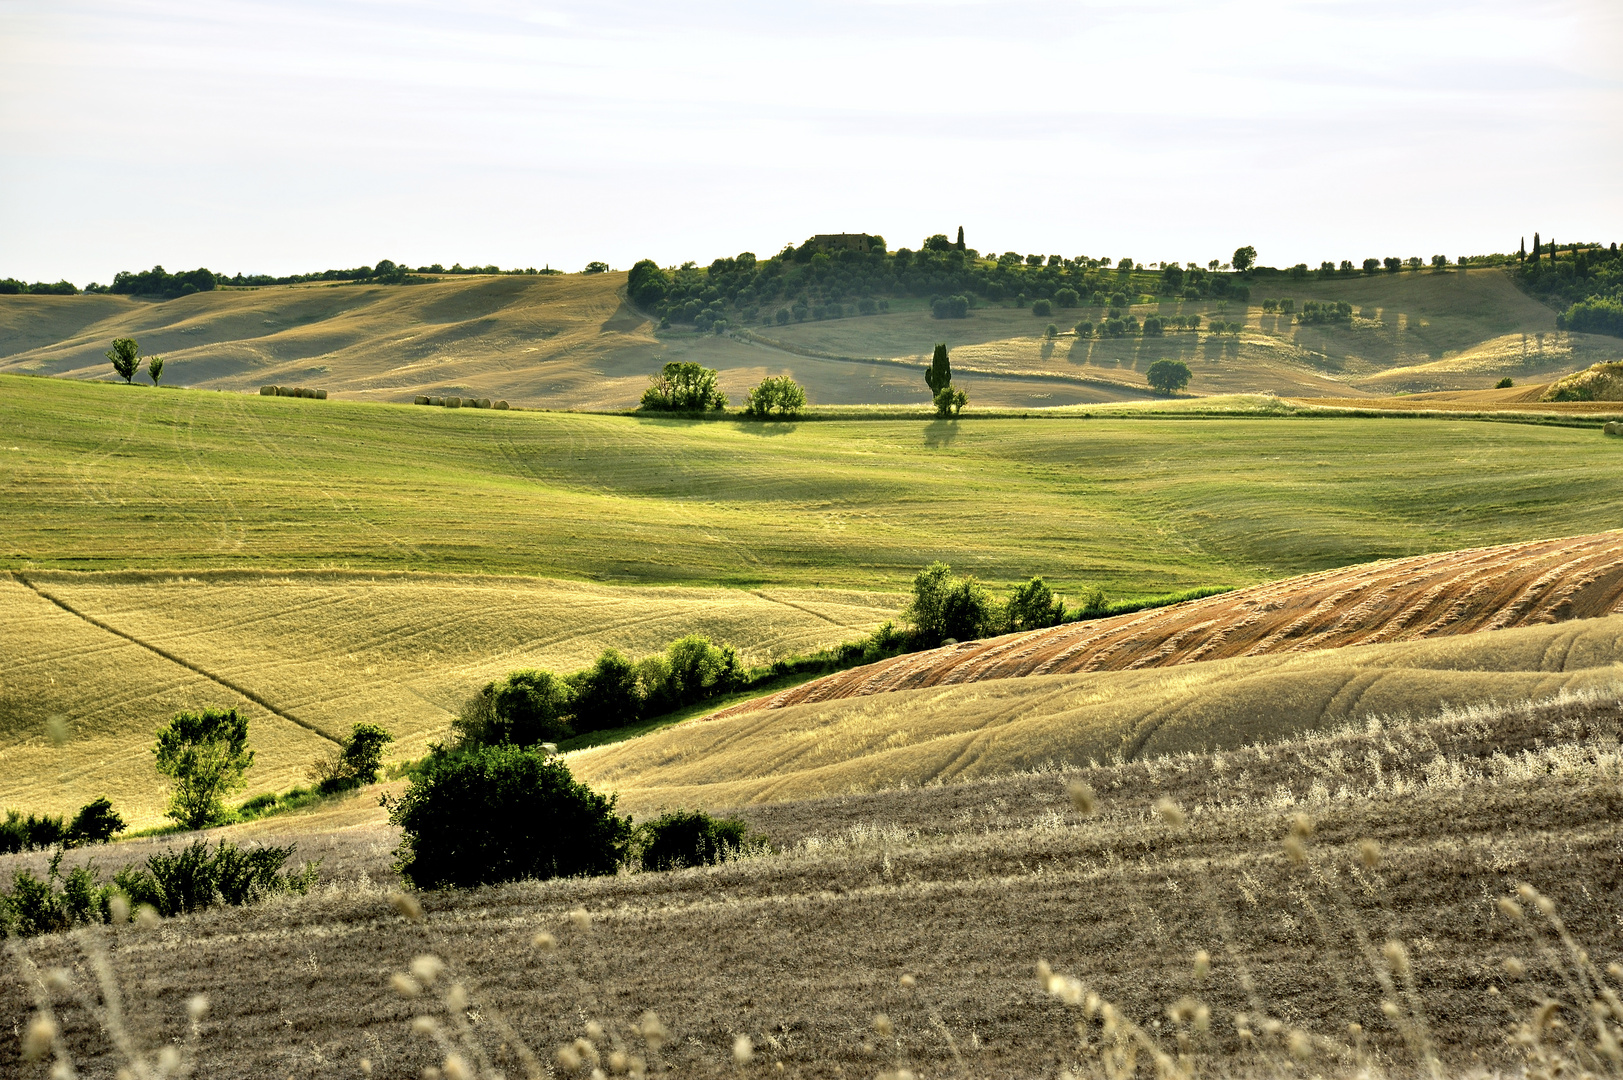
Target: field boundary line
(173, 658)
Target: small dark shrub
(1042, 307)
(503, 813)
(18, 833)
(1504, 384)
(683, 838)
(193, 877)
(95, 823)
(354, 762)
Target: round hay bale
(436, 401)
(1614, 427)
(268, 391)
(321, 395)
(484, 403)
(420, 399)
(453, 403)
(499, 405)
(306, 392)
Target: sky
(289, 136)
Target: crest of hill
(1458, 592)
(575, 341)
(1601, 382)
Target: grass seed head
(119, 908)
(652, 1030)
(366, 1066)
(455, 1068)
(39, 1037)
(1083, 799)
(1514, 967)
(197, 1007)
(908, 982)
(405, 985)
(587, 1052)
(1510, 909)
(1369, 853)
(427, 968)
(569, 1058)
(1545, 906)
(456, 998)
(743, 1050)
(1302, 825)
(581, 918)
(1390, 1010)
(1397, 957)
(1300, 1045)
(1169, 812)
(544, 941)
(59, 980)
(882, 1024)
(147, 917)
(619, 1062)
(406, 905)
(423, 1025)
(594, 1031)
(1527, 893)
(1615, 971)
(431, 1072)
(1295, 850)
(168, 1060)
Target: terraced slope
(1457, 592)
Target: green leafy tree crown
(206, 754)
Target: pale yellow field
(955, 733)
(570, 341)
(324, 650)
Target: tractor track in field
(173, 658)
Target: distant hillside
(576, 341)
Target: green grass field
(113, 477)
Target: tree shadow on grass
(768, 429)
(939, 434)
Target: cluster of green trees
(126, 358)
(160, 283)
(14, 287)
(801, 283)
(683, 387)
(95, 823)
(776, 397)
(1585, 280)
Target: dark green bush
(193, 877)
(699, 669)
(606, 694)
(526, 708)
(354, 762)
(95, 823)
(947, 607)
(1042, 307)
(689, 838)
(503, 813)
(18, 833)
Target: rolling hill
(572, 341)
(1456, 592)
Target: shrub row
(95, 823)
(458, 402)
(171, 883)
(292, 391)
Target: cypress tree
(1535, 247)
(939, 375)
(1522, 254)
(960, 238)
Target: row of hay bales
(1614, 427)
(459, 402)
(292, 391)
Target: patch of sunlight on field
(944, 734)
(325, 649)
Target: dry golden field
(1342, 884)
(308, 653)
(968, 731)
(1455, 592)
(570, 341)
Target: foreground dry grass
(1455, 592)
(964, 888)
(307, 654)
(962, 732)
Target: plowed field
(1456, 592)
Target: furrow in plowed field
(1456, 592)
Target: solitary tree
(206, 754)
(1168, 376)
(155, 368)
(939, 375)
(126, 357)
(1245, 258)
(960, 244)
(776, 394)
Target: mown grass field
(114, 477)
(570, 341)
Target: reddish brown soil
(1457, 592)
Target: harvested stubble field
(308, 653)
(1456, 592)
(977, 730)
(964, 888)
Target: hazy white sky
(297, 135)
